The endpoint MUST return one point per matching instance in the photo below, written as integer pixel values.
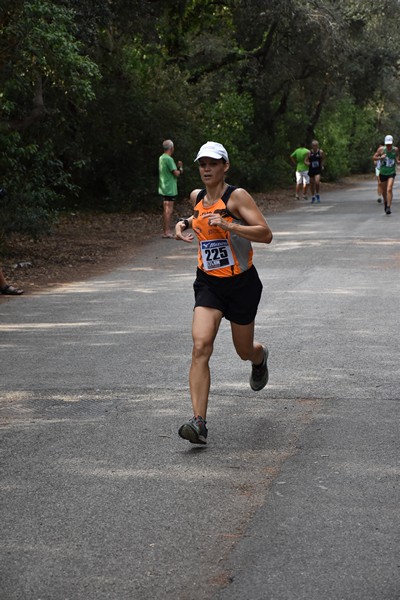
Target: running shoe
(318, 198)
(194, 430)
(388, 211)
(379, 200)
(259, 374)
(313, 200)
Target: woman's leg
(384, 192)
(317, 179)
(206, 322)
(245, 346)
(389, 191)
(379, 188)
(312, 185)
(248, 349)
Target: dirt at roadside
(83, 245)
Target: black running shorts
(384, 178)
(236, 297)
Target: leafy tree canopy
(89, 90)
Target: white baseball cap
(389, 139)
(212, 150)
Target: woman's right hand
(180, 233)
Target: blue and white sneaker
(194, 430)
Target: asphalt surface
(296, 494)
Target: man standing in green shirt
(298, 158)
(168, 184)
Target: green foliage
(43, 44)
(347, 136)
(229, 121)
(89, 90)
(46, 83)
(34, 180)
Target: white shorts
(377, 171)
(302, 177)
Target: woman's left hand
(216, 220)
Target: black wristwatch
(186, 224)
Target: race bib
(216, 254)
(389, 162)
(315, 164)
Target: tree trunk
(38, 109)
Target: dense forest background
(89, 89)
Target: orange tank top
(221, 253)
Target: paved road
(296, 495)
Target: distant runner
(377, 164)
(388, 155)
(298, 158)
(315, 160)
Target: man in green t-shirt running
(388, 156)
(298, 158)
(167, 184)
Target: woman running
(388, 155)
(225, 220)
(315, 160)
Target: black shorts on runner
(236, 297)
(386, 177)
(169, 198)
(314, 172)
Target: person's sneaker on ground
(318, 198)
(194, 430)
(388, 211)
(379, 200)
(313, 200)
(259, 374)
(385, 206)
(297, 197)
